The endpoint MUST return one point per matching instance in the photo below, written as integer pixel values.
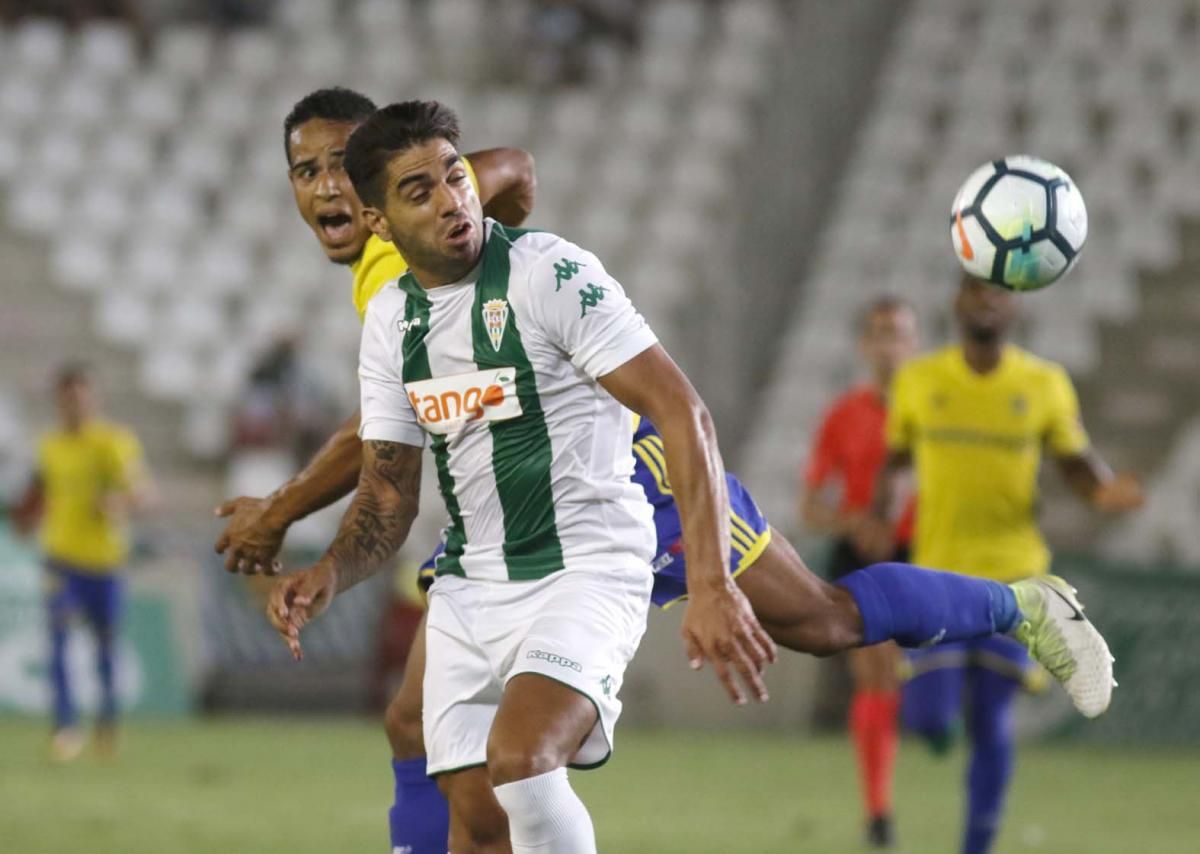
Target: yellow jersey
(977, 443)
(381, 262)
(77, 470)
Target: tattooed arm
(373, 529)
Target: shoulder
(537, 252)
(927, 365)
(112, 435)
(387, 302)
(1037, 371)
(379, 264)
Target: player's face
(323, 191)
(985, 311)
(889, 339)
(431, 212)
(76, 402)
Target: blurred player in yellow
(90, 476)
(315, 136)
(974, 419)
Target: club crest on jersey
(495, 318)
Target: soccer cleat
(1064, 642)
(880, 833)
(66, 745)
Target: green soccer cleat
(1064, 642)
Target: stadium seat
(153, 265)
(222, 265)
(206, 430)
(173, 205)
(223, 109)
(39, 46)
(168, 371)
(20, 100)
(193, 319)
(37, 206)
(153, 104)
(251, 56)
(183, 52)
(104, 207)
(674, 24)
(126, 155)
(58, 154)
(82, 263)
(124, 318)
(11, 158)
(80, 102)
(105, 49)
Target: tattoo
(379, 518)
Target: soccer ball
(1019, 222)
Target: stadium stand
(1108, 98)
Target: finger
(274, 568)
(231, 560)
(244, 566)
(750, 675)
(767, 642)
(225, 508)
(694, 653)
(221, 544)
(731, 686)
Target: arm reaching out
(1089, 477)
(374, 527)
(719, 625)
(507, 183)
(256, 527)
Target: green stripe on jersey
(416, 368)
(521, 452)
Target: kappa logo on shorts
(606, 685)
(554, 658)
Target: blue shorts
(98, 596)
(749, 535)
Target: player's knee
(508, 763)
(405, 733)
(838, 626)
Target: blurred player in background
(849, 453)
(973, 419)
(90, 477)
(315, 136)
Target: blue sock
(915, 606)
(992, 751)
(64, 705)
(420, 817)
(106, 668)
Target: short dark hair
(335, 104)
(72, 373)
(394, 128)
(881, 303)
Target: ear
(378, 224)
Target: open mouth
(459, 232)
(337, 227)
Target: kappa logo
(495, 319)
(405, 325)
(555, 658)
(447, 404)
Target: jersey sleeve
(387, 414)
(1065, 435)
(585, 312)
(822, 461)
(900, 426)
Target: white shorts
(578, 627)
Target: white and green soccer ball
(1019, 222)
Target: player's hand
(720, 627)
(252, 537)
(1120, 495)
(299, 598)
(874, 539)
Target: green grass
(261, 787)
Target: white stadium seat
(168, 372)
(39, 46)
(153, 104)
(106, 208)
(183, 52)
(106, 49)
(124, 318)
(82, 263)
(127, 154)
(36, 206)
(154, 264)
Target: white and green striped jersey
(533, 456)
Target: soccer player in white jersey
(542, 593)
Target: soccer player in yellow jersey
(974, 419)
(89, 477)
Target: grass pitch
(275, 787)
